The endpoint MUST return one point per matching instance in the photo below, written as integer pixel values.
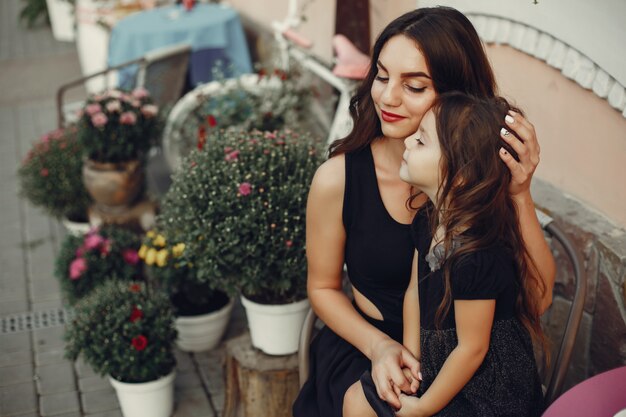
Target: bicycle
(351, 66)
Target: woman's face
(403, 89)
(421, 161)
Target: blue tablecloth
(214, 32)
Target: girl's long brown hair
(474, 197)
(454, 55)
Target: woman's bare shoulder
(330, 177)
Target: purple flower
(77, 268)
(128, 118)
(245, 188)
(99, 119)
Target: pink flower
(140, 93)
(105, 247)
(130, 256)
(228, 149)
(232, 156)
(56, 134)
(288, 243)
(77, 268)
(93, 108)
(114, 106)
(99, 119)
(245, 188)
(92, 241)
(149, 110)
(45, 138)
(270, 135)
(113, 94)
(80, 251)
(44, 172)
(128, 118)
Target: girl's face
(403, 90)
(421, 161)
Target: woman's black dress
(378, 256)
(507, 382)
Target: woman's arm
(474, 320)
(538, 250)
(325, 241)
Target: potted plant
(268, 100)
(116, 129)
(202, 313)
(102, 254)
(239, 204)
(51, 177)
(62, 19)
(126, 331)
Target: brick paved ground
(35, 380)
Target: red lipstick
(390, 117)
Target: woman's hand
(411, 407)
(388, 358)
(527, 149)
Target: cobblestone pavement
(35, 379)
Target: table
(214, 32)
(602, 395)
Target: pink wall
(583, 139)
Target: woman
(357, 210)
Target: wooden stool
(258, 384)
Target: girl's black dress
(378, 256)
(507, 382)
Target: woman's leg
(355, 404)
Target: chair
(555, 376)
(162, 72)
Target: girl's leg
(355, 404)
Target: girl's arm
(538, 250)
(325, 242)
(411, 314)
(474, 320)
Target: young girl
(476, 307)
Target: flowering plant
(239, 206)
(51, 175)
(170, 266)
(269, 100)
(125, 330)
(101, 254)
(118, 126)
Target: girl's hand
(388, 359)
(527, 149)
(411, 407)
(415, 382)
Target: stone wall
(601, 341)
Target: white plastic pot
(75, 228)
(202, 332)
(141, 399)
(275, 329)
(61, 14)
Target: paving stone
(192, 403)
(97, 401)
(217, 399)
(48, 339)
(55, 378)
(50, 356)
(184, 361)
(94, 383)
(185, 380)
(12, 342)
(83, 369)
(18, 399)
(14, 306)
(52, 405)
(52, 302)
(213, 376)
(111, 413)
(12, 375)
(15, 358)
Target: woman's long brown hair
(474, 197)
(454, 55)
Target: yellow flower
(151, 234)
(142, 251)
(151, 256)
(161, 257)
(178, 249)
(159, 240)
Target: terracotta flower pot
(113, 186)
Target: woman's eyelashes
(407, 86)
